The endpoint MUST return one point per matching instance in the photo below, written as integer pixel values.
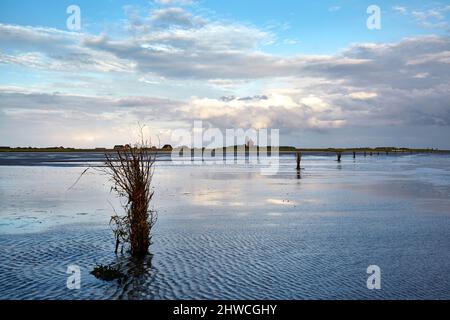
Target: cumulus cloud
(256, 111)
(272, 111)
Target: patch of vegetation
(107, 272)
(131, 170)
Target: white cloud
(52, 49)
(363, 95)
(315, 103)
(334, 8)
(400, 9)
(174, 2)
(421, 75)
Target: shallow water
(228, 232)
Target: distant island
(282, 149)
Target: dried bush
(131, 171)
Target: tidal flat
(229, 232)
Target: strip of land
(281, 149)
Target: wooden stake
(299, 159)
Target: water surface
(228, 232)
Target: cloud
(256, 111)
(433, 18)
(52, 49)
(380, 82)
(421, 75)
(400, 9)
(215, 52)
(78, 120)
(228, 84)
(422, 16)
(368, 84)
(208, 52)
(174, 17)
(291, 41)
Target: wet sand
(227, 232)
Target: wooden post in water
(354, 155)
(299, 159)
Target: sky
(313, 70)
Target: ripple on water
(294, 262)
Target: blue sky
(311, 69)
(320, 27)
